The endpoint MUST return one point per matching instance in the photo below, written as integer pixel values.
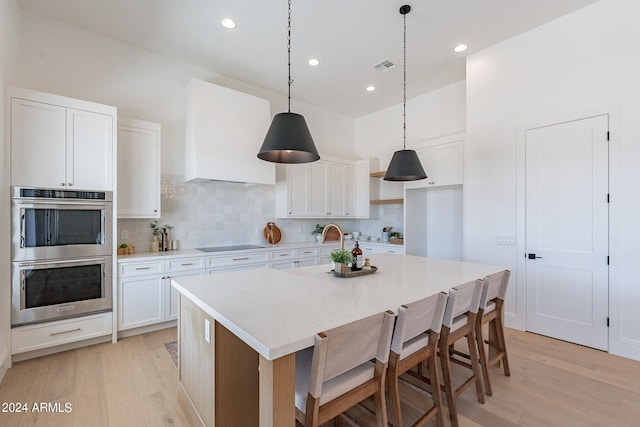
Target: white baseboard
(146, 329)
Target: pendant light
(405, 164)
(288, 139)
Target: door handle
(533, 256)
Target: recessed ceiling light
(228, 23)
(371, 88)
(460, 48)
(313, 62)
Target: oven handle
(58, 202)
(70, 261)
(23, 226)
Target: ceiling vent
(384, 66)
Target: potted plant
(342, 260)
(317, 232)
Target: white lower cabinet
(43, 335)
(381, 248)
(145, 294)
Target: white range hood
(224, 131)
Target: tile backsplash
(223, 213)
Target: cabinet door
(89, 150)
(306, 262)
(336, 190)
(350, 196)
(426, 158)
(317, 189)
(448, 164)
(297, 190)
(38, 141)
(138, 169)
(141, 301)
(171, 294)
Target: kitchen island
(239, 331)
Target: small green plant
(156, 229)
(318, 229)
(395, 234)
(342, 256)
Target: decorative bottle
(357, 255)
(165, 240)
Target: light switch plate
(207, 331)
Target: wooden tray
(355, 273)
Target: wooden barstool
(338, 372)
(491, 311)
(415, 341)
(459, 322)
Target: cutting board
(272, 233)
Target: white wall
(577, 63)
(435, 114)
(65, 60)
(8, 43)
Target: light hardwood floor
(133, 383)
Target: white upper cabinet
(225, 130)
(138, 169)
(59, 142)
(327, 188)
(443, 161)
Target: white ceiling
(347, 36)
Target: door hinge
(608, 136)
(607, 322)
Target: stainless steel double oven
(62, 252)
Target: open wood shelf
(377, 174)
(386, 201)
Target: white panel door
(567, 231)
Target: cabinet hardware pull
(70, 184)
(307, 252)
(168, 277)
(142, 268)
(186, 264)
(284, 254)
(53, 334)
(62, 184)
(240, 259)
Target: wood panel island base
(239, 331)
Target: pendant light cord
(404, 88)
(289, 54)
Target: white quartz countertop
(278, 312)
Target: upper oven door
(54, 229)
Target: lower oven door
(50, 290)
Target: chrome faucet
(337, 227)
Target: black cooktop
(229, 248)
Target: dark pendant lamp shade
(288, 140)
(405, 166)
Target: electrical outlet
(506, 240)
(182, 232)
(207, 331)
(124, 234)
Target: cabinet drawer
(306, 252)
(237, 258)
(182, 264)
(324, 251)
(140, 268)
(237, 268)
(42, 335)
(282, 255)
